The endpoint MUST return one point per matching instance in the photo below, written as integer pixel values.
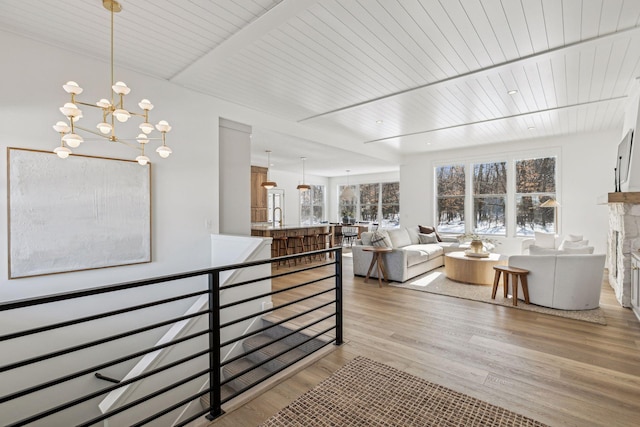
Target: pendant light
(303, 186)
(268, 184)
(347, 193)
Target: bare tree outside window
(390, 204)
(369, 196)
(489, 198)
(450, 187)
(535, 184)
(347, 207)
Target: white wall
(184, 186)
(235, 178)
(585, 173)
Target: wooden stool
(297, 246)
(515, 273)
(312, 243)
(279, 248)
(324, 242)
(377, 259)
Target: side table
(515, 273)
(377, 258)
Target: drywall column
(235, 178)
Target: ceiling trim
(630, 32)
(495, 119)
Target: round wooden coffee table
(466, 269)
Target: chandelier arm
(88, 104)
(93, 132)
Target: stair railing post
(339, 338)
(215, 397)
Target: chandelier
(268, 184)
(113, 111)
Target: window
(450, 188)
(535, 184)
(369, 196)
(312, 205)
(376, 202)
(390, 204)
(489, 198)
(499, 197)
(348, 204)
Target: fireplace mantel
(624, 197)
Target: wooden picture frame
(78, 213)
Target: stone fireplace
(623, 239)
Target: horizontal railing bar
(106, 378)
(91, 369)
(172, 408)
(279, 291)
(276, 276)
(275, 356)
(96, 316)
(268, 310)
(144, 399)
(123, 383)
(242, 390)
(287, 335)
(288, 319)
(28, 302)
(98, 342)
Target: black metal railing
(318, 297)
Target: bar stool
(515, 273)
(324, 242)
(279, 248)
(297, 246)
(312, 241)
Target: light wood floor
(558, 371)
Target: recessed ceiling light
(512, 92)
(531, 127)
(379, 122)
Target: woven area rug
(437, 283)
(367, 393)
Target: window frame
(510, 207)
(310, 194)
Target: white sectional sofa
(563, 281)
(409, 257)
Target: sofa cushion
(539, 250)
(399, 237)
(380, 238)
(570, 244)
(365, 238)
(450, 246)
(428, 238)
(413, 234)
(429, 230)
(545, 240)
(574, 237)
(421, 253)
(579, 250)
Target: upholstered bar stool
(279, 247)
(296, 246)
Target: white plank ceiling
(391, 77)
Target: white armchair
(566, 282)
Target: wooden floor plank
(562, 372)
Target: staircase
(285, 348)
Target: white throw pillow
(428, 238)
(545, 240)
(399, 237)
(413, 234)
(574, 237)
(539, 250)
(380, 238)
(365, 237)
(569, 244)
(582, 250)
